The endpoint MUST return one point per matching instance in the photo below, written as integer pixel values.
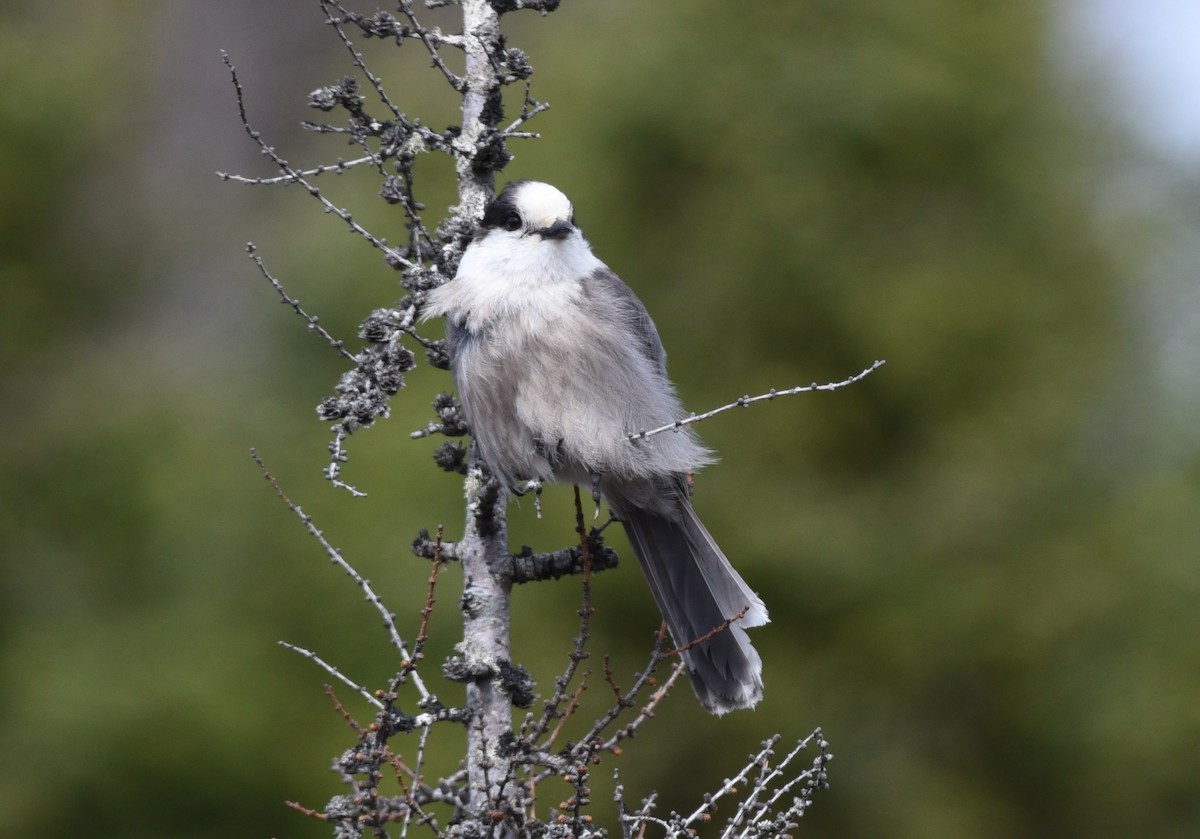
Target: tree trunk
(484, 550)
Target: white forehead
(539, 202)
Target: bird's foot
(526, 487)
(596, 494)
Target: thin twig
(747, 401)
(612, 682)
(572, 707)
(590, 743)
(336, 558)
(527, 113)
(416, 775)
(333, 671)
(767, 779)
(312, 320)
(647, 711)
(579, 651)
(341, 709)
(295, 176)
(333, 472)
(410, 206)
(427, 610)
(339, 167)
(459, 84)
(306, 811)
(716, 630)
(356, 57)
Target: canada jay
(557, 363)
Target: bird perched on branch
(557, 363)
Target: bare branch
(296, 176)
(341, 709)
(335, 556)
(333, 671)
(333, 471)
(716, 630)
(531, 567)
(644, 714)
(529, 109)
(431, 40)
(427, 610)
(356, 56)
(747, 401)
(339, 167)
(550, 708)
(312, 320)
(760, 814)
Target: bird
(558, 366)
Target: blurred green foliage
(982, 583)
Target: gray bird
(557, 362)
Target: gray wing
(653, 399)
(608, 292)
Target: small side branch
(312, 320)
(356, 56)
(530, 108)
(643, 679)
(747, 401)
(529, 567)
(333, 671)
(708, 636)
(335, 556)
(431, 40)
(340, 167)
(774, 797)
(296, 176)
(427, 609)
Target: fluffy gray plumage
(556, 362)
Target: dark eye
(501, 214)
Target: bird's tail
(698, 591)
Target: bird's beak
(559, 230)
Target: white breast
(522, 277)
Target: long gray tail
(697, 590)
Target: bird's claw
(596, 494)
(535, 487)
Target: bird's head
(529, 208)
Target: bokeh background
(981, 563)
